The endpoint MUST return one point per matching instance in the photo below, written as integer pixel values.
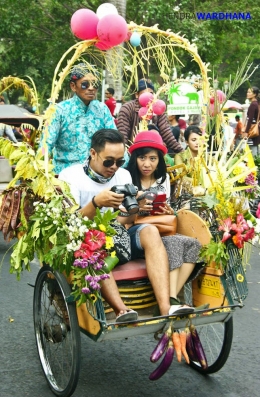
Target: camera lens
(131, 205)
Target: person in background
(128, 119)
(110, 100)
(77, 119)
(192, 135)
(238, 131)
(252, 114)
(6, 130)
(228, 133)
(183, 125)
(174, 123)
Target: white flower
(55, 222)
(250, 224)
(85, 218)
(176, 8)
(46, 218)
(36, 203)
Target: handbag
(166, 224)
(254, 129)
(122, 243)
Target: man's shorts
(136, 247)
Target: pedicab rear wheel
(57, 332)
(216, 340)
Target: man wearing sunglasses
(77, 119)
(91, 187)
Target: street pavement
(121, 368)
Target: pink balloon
(159, 107)
(112, 29)
(221, 96)
(145, 98)
(102, 46)
(84, 24)
(213, 109)
(142, 112)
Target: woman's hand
(165, 210)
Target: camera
(129, 191)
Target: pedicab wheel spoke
(216, 340)
(57, 332)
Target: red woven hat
(149, 139)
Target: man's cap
(81, 70)
(148, 139)
(145, 83)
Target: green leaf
(111, 262)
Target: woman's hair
(255, 90)
(101, 137)
(132, 167)
(192, 129)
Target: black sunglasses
(109, 162)
(86, 84)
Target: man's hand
(107, 198)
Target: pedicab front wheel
(216, 340)
(57, 332)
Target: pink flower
(241, 224)
(94, 239)
(258, 211)
(226, 227)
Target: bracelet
(94, 203)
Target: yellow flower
(113, 254)
(102, 228)
(109, 242)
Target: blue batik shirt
(71, 129)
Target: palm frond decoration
(30, 93)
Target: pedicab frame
(58, 321)
(58, 342)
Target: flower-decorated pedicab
(77, 253)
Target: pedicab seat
(132, 270)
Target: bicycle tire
(57, 332)
(216, 340)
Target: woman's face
(193, 142)
(147, 163)
(250, 95)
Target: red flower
(94, 239)
(238, 240)
(84, 252)
(249, 235)
(226, 227)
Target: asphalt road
(121, 368)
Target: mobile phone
(159, 201)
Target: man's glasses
(109, 162)
(86, 84)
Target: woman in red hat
(148, 170)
